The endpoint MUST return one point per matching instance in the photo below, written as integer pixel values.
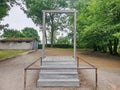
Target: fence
(78, 68)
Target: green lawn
(10, 53)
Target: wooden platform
(63, 76)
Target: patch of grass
(10, 53)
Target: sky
(17, 19)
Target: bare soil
(12, 71)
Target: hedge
(57, 46)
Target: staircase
(60, 76)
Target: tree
(25, 33)
(12, 33)
(108, 15)
(97, 22)
(30, 33)
(63, 40)
(5, 6)
(34, 11)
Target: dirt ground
(12, 71)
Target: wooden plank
(59, 11)
(44, 28)
(43, 37)
(74, 35)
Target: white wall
(16, 45)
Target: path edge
(24, 53)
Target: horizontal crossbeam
(59, 11)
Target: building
(18, 43)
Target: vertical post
(75, 35)
(77, 62)
(43, 37)
(25, 72)
(96, 80)
(41, 61)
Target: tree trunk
(104, 49)
(46, 39)
(52, 36)
(95, 47)
(116, 41)
(110, 47)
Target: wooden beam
(74, 35)
(43, 37)
(59, 11)
(44, 28)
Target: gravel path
(108, 69)
(12, 72)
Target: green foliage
(57, 46)
(63, 40)
(30, 33)
(63, 46)
(12, 33)
(98, 24)
(34, 11)
(35, 7)
(4, 8)
(25, 33)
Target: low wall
(16, 45)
